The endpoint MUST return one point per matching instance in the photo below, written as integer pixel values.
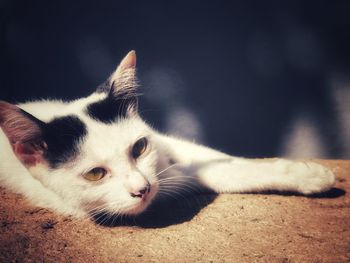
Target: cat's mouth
(143, 203)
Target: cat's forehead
(120, 130)
(104, 141)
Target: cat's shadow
(168, 212)
(162, 213)
(331, 193)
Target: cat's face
(96, 153)
(112, 165)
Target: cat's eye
(139, 147)
(95, 174)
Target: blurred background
(251, 78)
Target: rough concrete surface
(206, 228)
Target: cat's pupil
(139, 148)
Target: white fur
(169, 164)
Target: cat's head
(95, 153)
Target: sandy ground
(207, 228)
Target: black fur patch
(105, 87)
(62, 136)
(111, 108)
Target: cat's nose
(142, 192)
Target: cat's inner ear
(123, 79)
(128, 62)
(23, 132)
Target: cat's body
(96, 155)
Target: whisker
(162, 171)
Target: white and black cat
(96, 154)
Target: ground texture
(225, 228)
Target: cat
(96, 155)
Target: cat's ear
(23, 132)
(123, 80)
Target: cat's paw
(310, 178)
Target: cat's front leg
(224, 173)
(245, 175)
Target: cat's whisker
(178, 182)
(175, 194)
(188, 188)
(168, 194)
(107, 216)
(189, 194)
(172, 177)
(105, 219)
(177, 186)
(98, 214)
(97, 218)
(180, 186)
(172, 191)
(180, 191)
(184, 182)
(102, 211)
(162, 171)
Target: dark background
(245, 77)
